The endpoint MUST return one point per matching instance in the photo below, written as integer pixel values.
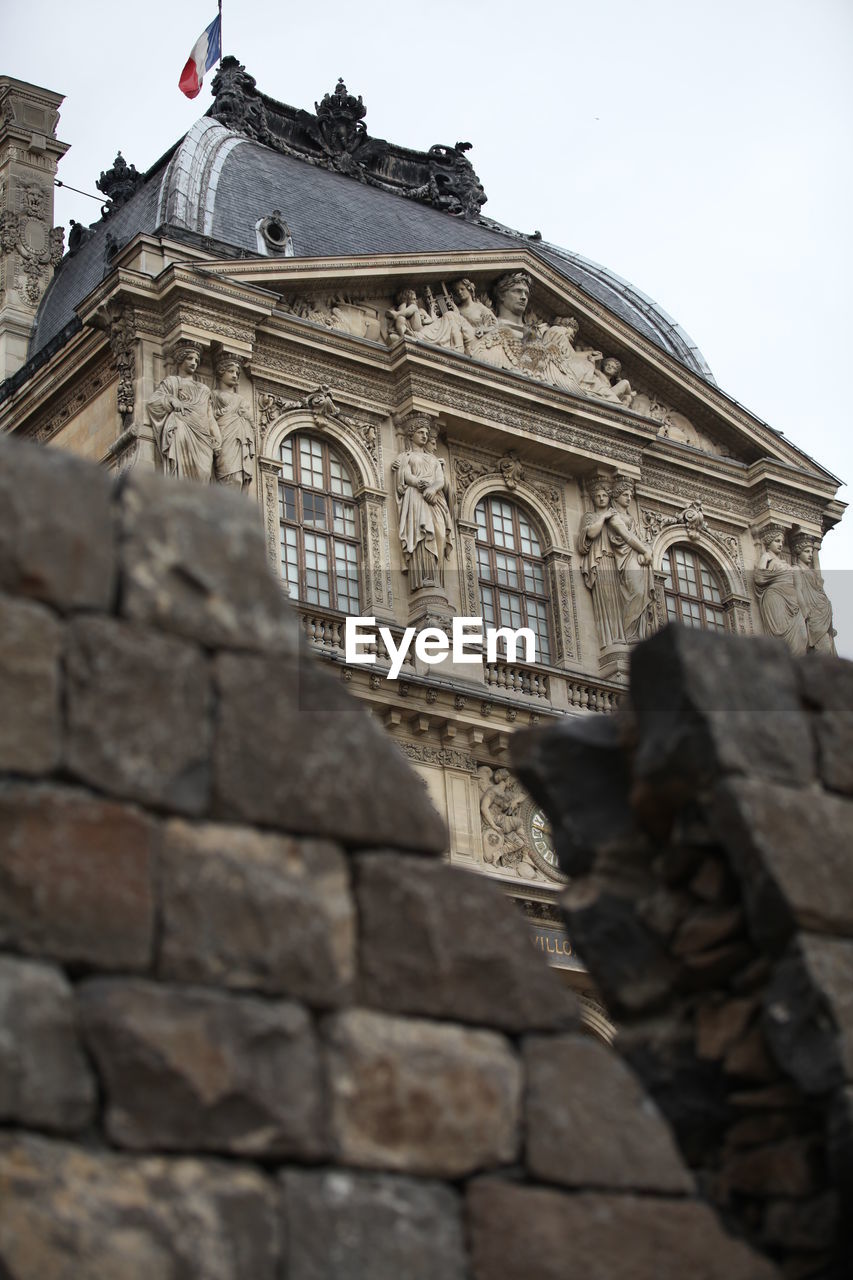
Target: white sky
(702, 151)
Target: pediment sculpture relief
(616, 565)
(791, 598)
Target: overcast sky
(700, 150)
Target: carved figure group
(423, 502)
(616, 566)
(202, 435)
(791, 598)
(504, 841)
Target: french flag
(207, 51)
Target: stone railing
(514, 678)
(324, 630)
(587, 695)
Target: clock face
(541, 841)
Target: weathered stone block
(790, 847)
(139, 712)
(787, 1168)
(186, 1069)
(75, 877)
(445, 943)
(57, 528)
(827, 686)
(518, 1232)
(67, 1212)
(589, 1122)
(30, 644)
(293, 750)
(341, 1225)
(707, 703)
(421, 1097)
(808, 1012)
(245, 909)
(45, 1081)
(194, 561)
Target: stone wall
(253, 1025)
(709, 833)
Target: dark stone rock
(75, 877)
(768, 828)
(708, 703)
(251, 910)
(749, 1058)
(827, 686)
(720, 1025)
(711, 880)
(444, 943)
(808, 1013)
(57, 528)
(66, 1211)
(341, 1225)
(589, 1123)
(192, 1070)
(706, 927)
(524, 1232)
(45, 1081)
(802, 1224)
(294, 750)
(786, 1168)
(594, 814)
(630, 964)
(194, 562)
(139, 711)
(412, 1096)
(30, 645)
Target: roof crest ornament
(336, 138)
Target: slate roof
(329, 215)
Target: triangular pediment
(563, 338)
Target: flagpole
(220, 32)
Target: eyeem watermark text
(432, 645)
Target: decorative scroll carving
(271, 475)
(447, 757)
(691, 519)
(616, 566)
(181, 414)
(502, 812)
(322, 406)
(118, 184)
(24, 233)
(423, 494)
(336, 138)
(233, 462)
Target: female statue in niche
(776, 592)
(812, 598)
(233, 413)
(616, 566)
(423, 500)
(180, 412)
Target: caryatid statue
(181, 414)
(776, 592)
(812, 598)
(233, 413)
(616, 565)
(423, 501)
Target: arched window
(692, 590)
(319, 530)
(512, 572)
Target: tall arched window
(512, 572)
(319, 529)
(692, 590)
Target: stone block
(294, 750)
(247, 909)
(827, 687)
(194, 562)
(518, 1232)
(808, 1012)
(421, 1097)
(45, 1081)
(30, 645)
(57, 528)
(444, 943)
(594, 814)
(341, 1225)
(75, 877)
(707, 703)
(191, 1070)
(139, 714)
(791, 1167)
(791, 849)
(589, 1123)
(67, 1212)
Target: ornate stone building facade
(437, 417)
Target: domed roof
(342, 194)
